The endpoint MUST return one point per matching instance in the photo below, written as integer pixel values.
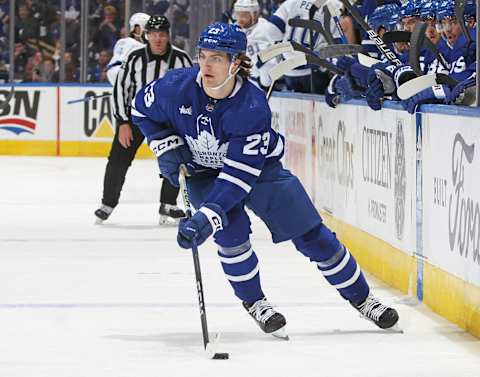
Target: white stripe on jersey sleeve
(278, 149)
(236, 181)
(243, 167)
(137, 113)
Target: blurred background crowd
(37, 35)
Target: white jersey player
(281, 31)
(124, 46)
(247, 16)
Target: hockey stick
(313, 58)
(372, 35)
(209, 347)
(8, 97)
(416, 85)
(312, 25)
(459, 14)
(417, 39)
(405, 37)
(367, 61)
(280, 69)
(326, 52)
(396, 36)
(88, 98)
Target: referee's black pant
(119, 161)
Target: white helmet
(246, 6)
(139, 19)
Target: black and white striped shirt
(142, 67)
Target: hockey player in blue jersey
(217, 122)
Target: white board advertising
(451, 194)
(365, 170)
(89, 120)
(386, 179)
(31, 114)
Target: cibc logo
(20, 114)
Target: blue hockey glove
(457, 93)
(345, 63)
(435, 94)
(207, 220)
(380, 84)
(171, 152)
(347, 87)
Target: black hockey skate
(103, 213)
(170, 214)
(269, 320)
(373, 310)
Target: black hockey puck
(220, 356)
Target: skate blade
(98, 221)
(281, 334)
(395, 329)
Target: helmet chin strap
(229, 77)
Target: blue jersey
(460, 59)
(432, 65)
(231, 137)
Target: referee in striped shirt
(143, 65)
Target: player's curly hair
(245, 66)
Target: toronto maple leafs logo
(206, 149)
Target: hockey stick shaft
(196, 260)
(88, 98)
(372, 35)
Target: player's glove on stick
(209, 219)
(435, 94)
(457, 93)
(380, 84)
(171, 152)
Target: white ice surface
(82, 300)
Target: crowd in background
(37, 36)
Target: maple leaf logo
(206, 150)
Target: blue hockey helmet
(445, 9)
(385, 16)
(223, 37)
(428, 9)
(470, 10)
(410, 8)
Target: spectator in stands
(98, 73)
(108, 31)
(4, 17)
(159, 7)
(22, 54)
(26, 26)
(45, 71)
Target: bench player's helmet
(223, 37)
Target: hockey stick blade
(287, 65)
(367, 61)
(334, 51)
(396, 36)
(274, 50)
(211, 349)
(8, 97)
(416, 85)
(417, 39)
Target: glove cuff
(439, 92)
(215, 215)
(166, 144)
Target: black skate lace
(261, 310)
(372, 308)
